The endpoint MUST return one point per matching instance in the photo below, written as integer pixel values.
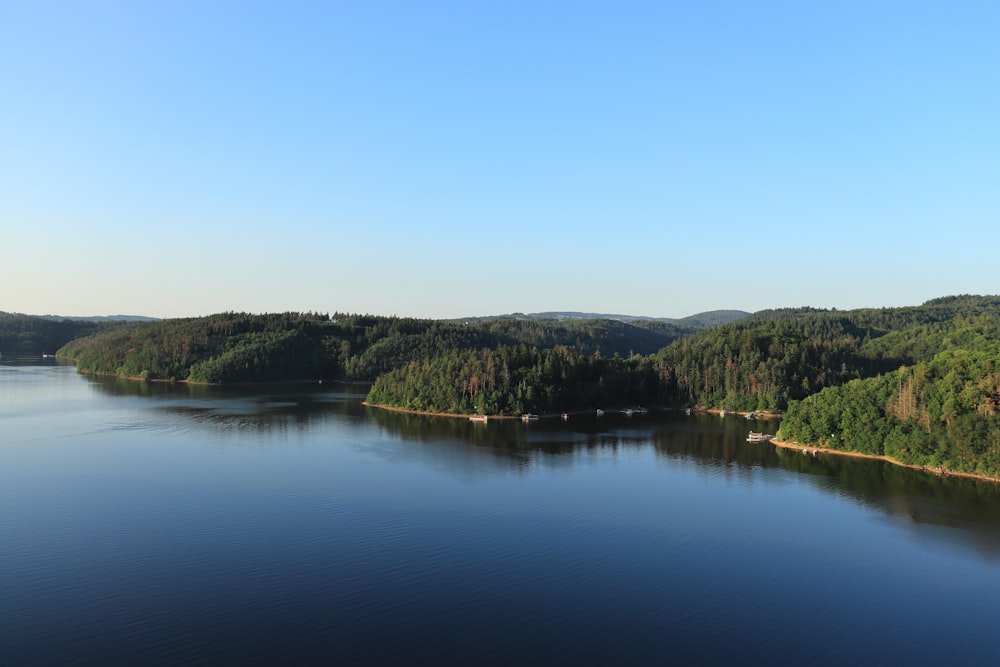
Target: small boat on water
(529, 418)
(479, 419)
(751, 415)
(759, 437)
(600, 413)
(723, 413)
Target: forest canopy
(241, 347)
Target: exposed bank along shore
(941, 472)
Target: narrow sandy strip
(941, 472)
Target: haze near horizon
(456, 159)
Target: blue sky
(441, 159)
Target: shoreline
(784, 444)
(940, 472)
(762, 416)
(427, 413)
(136, 378)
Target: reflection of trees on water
(116, 386)
(552, 443)
(910, 495)
(712, 445)
(231, 410)
(969, 508)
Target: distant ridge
(86, 318)
(103, 318)
(703, 320)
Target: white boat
(600, 413)
(759, 437)
(529, 418)
(479, 419)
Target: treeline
(240, 347)
(33, 336)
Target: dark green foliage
(514, 380)
(230, 347)
(762, 364)
(712, 318)
(238, 347)
(772, 357)
(29, 335)
(940, 412)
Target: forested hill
(772, 357)
(240, 347)
(30, 335)
(761, 362)
(939, 410)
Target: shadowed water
(146, 522)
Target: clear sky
(441, 159)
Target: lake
(154, 523)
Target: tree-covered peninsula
(940, 411)
(511, 380)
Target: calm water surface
(147, 523)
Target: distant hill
(711, 318)
(88, 318)
(704, 320)
(102, 318)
